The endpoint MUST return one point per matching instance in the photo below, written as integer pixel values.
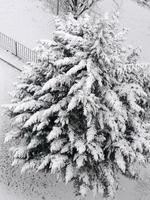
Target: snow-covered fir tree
(81, 112)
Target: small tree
(77, 7)
(80, 113)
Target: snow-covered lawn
(26, 20)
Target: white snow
(26, 20)
(10, 58)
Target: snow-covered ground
(28, 21)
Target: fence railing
(17, 48)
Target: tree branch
(145, 3)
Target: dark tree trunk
(75, 8)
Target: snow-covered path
(26, 20)
(7, 77)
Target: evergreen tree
(81, 112)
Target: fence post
(16, 49)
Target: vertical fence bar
(18, 49)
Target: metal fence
(17, 49)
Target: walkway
(11, 60)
